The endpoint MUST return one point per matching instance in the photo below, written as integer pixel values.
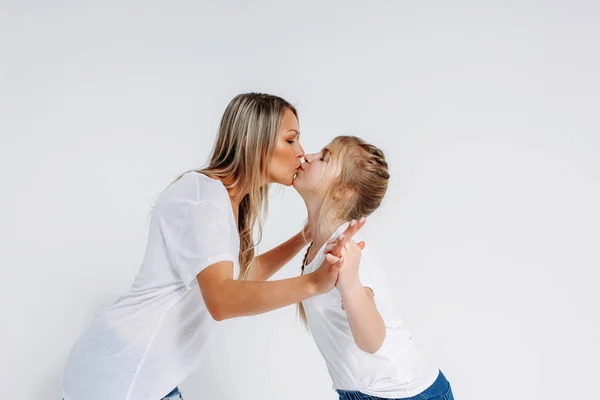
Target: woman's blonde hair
(240, 158)
(360, 187)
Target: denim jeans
(439, 390)
(175, 394)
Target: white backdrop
(488, 112)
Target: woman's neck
(236, 195)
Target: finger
(332, 259)
(343, 241)
(354, 227)
(335, 268)
(335, 239)
(361, 244)
(329, 248)
(353, 245)
(337, 278)
(335, 245)
(337, 248)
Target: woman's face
(316, 175)
(285, 161)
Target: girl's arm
(367, 325)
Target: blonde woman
(368, 351)
(200, 241)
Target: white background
(487, 111)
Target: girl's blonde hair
(359, 188)
(240, 158)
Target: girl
(368, 351)
(200, 241)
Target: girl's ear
(343, 194)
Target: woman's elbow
(216, 309)
(214, 293)
(216, 314)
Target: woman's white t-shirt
(147, 342)
(397, 369)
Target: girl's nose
(309, 158)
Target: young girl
(368, 351)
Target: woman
(369, 352)
(200, 241)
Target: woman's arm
(367, 325)
(226, 297)
(267, 264)
(229, 298)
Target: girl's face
(285, 162)
(316, 175)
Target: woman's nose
(301, 153)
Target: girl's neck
(323, 225)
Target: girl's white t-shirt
(397, 369)
(149, 340)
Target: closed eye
(293, 137)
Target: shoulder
(191, 189)
(203, 188)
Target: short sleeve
(367, 266)
(372, 275)
(196, 238)
(366, 271)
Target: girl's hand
(333, 249)
(348, 278)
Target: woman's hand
(325, 277)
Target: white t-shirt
(147, 342)
(397, 369)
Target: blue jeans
(175, 394)
(439, 390)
